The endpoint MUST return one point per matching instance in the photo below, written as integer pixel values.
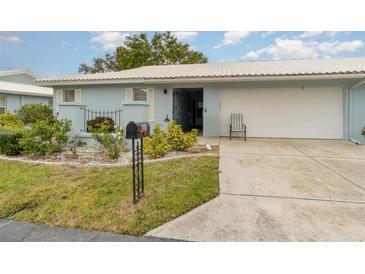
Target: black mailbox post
(135, 131)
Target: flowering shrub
(112, 143)
(156, 145)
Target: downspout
(349, 89)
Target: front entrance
(188, 108)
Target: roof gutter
(200, 80)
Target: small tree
(73, 143)
(363, 132)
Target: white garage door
(285, 113)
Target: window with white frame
(69, 95)
(2, 104)
(140, 94)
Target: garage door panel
(285, 113)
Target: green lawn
(101, 198)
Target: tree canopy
(137, 51)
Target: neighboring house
(322, 98)
(17, 88)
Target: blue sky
(61, 53)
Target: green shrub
(112, 143)
(179, 140)
(32, 113)
(156, 145)
(363, 132)
(97, 123)
(9, 141)
(10, 121)
(45, 138)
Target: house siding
(111, 97)
(14, 101)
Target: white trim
(202, 79)
(77, 96)
(128, 94)
(24, 89)
(151, 102)
(59, 96)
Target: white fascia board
(202, 79)
(86, 82)
(25, 93)
(257, 78)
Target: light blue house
(17, 88)
(322, 98)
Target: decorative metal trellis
(89, 114)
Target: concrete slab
(58, 234)
(287, 176)
(281, 190)
(258, 146)
(352, 169)
(329, 148)
(240, 218)
(15, 231)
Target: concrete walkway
(12, 231)
(281, 190)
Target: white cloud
(232, 38)
(267, 33)
(285, 48)
(12, 39)
(308, 34)
(335, 47)
(185, 35)
(252, 55)
(291, 49)
(109, 40)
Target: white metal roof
(17, 72)
(330, 66)
(24, 89)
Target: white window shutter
(77, 95)
(59, 96)
(151, 102)
(128, 94)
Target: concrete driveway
(281, 190)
